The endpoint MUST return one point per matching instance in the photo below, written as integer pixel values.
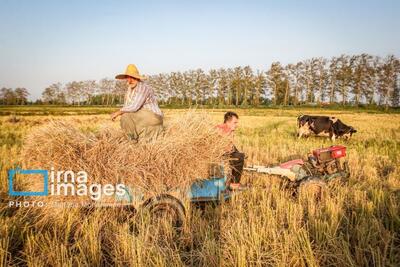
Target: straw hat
(131, 71)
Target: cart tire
(166, 207)
(313, 188)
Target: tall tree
(106, 87)
(88, 90)
(49, 95)
(296, 80)
(73, 92)
(212, 81)
(387, 79)
(310, 79)
(237, 84)
(275, 80)
(8, 96)
(247, 85)
(333, 71)
(21, 95)
(362, 76)
(223, 86)
(321, 78)
(396, 91)
(259, 88)
(344, 77)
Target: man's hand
(116, 114)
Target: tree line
(10, 96)
(344, 80)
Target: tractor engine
(328, 160)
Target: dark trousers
(236, 162)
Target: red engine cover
(334, 151)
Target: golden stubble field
(356, 224)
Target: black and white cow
(323, 126)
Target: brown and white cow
(323, 126)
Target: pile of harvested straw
(183, 154)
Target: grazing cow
(323, 126)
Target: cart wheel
(165, 209)
(313, 188)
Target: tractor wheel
(313, 188)
(164, 210)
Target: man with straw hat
(141, 118)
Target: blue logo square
(11, 175)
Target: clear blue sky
(43, 42)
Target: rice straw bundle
(182, 155)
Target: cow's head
(302, 120)
(349, 133)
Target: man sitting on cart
(141, 118)
(236, 158)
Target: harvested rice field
(357, 223)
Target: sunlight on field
(357, 223)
